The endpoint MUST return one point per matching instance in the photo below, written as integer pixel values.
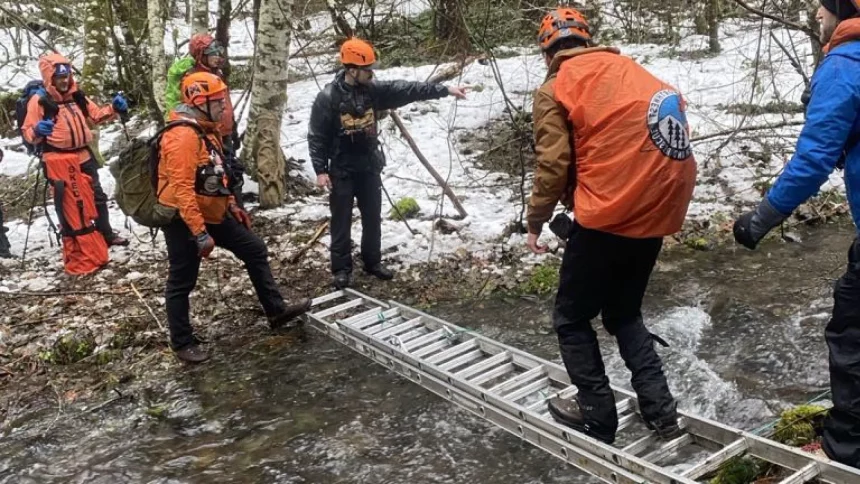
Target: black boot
(5, 246)
(380, 271)
(594, 409)
(290, 313)
(342, 280)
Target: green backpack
(136, 175)
(175, 74)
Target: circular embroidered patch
(667, 124)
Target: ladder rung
(429, 338)
(375, 319)
(624, 405)
(715, 460)
(466, 373)
(805, 474)
(492, 374)
(626, 421)
(432, 348)
(327, 298)
(407, 337)
(384, 325)
(453, 352)
(361, 316)
(636, 447)
(563, 394)
(668, 448)
(518, 380)
(528, 390)
(339, 308)
(462, 360)
(400, 328)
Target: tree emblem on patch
(667, 125)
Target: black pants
(366, 187)
(5, 246)
(91, 169)
(607, 274)
(842, 427)
(185, 264)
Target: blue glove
(44, 128)
(120, 105)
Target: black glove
(752, 226)
(205, 244)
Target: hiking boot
(568, 412)
(342, 280)
(290, 313)
(666, 429)
(5, 254)
(192, 353)
(116, 240)
(381, 272)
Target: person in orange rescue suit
(615, 137)
(193, 179)
(58, 123)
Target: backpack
(136, 175)
(49, 106)
(177, 71)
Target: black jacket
(343, 136)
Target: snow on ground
(709, 84)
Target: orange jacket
(182, 152)
(71, 126)
(635, 172)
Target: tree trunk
(222, 32)
(262, 153)
(451, 27)
(95, 46)
(812, 23)
(155, 11)
(713, 14)
(200, 17)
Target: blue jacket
(832, 117)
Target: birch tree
(200, 17)
(155, 12)
(95, 46)
(262, 152)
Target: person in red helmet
(209, 56)
(343, 141)
(192, 179)
(612, 144)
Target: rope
(769, 426)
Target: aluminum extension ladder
(510, 388)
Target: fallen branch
(62, 294)
(747, 128)
(151, 312)
(442, 183)
(298, 255)
(787, 23)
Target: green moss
(800, 426)
(71, 348)
(405, 208)
(543, 280)
(738, 470)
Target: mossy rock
(71, 348)
(738, 470)
(404, 208)
(543, 280)
(800, 426)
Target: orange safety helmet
(562, 23)
(356, 52)
(198, 88)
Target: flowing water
(746, 336)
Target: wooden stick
(298, 255)
(442, 183)
(151, 312)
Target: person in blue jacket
(830, 138)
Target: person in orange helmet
(193, 178)
(612, 144)
(343, 141)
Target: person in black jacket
(344, 148)
(5, 246)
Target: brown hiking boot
(290, 313)
(192, 353)
(570, 412)
(116, 240)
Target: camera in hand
(561, 225)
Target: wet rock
(446, 226)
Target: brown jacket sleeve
(554, 157)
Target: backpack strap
(155, 144)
